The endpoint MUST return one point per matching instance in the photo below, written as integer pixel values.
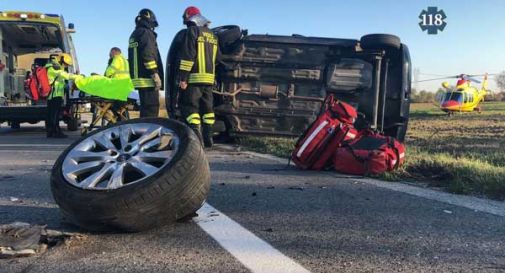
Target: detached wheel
(380, 41)
(132, 176)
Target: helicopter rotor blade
(463, 76)
(437, 79)
(470, 78)
(481, 75)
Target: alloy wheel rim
(120, 156)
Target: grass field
(464, 153)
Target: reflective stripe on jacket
(118, 68)
(199, 54)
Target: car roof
(299, 39)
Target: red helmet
(191, 11)
(462, 83)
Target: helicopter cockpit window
(455, 96)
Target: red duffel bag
(315, 147)
(39, 83)
(369, 153)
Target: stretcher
(108, 99)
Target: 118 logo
(432, 20)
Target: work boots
(207, 136)
(196, 129)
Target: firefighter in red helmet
(198, 55)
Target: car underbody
(274, 85)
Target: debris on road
(297, 188)
(20, 239)
(268, 230)
(447, 211)
(15, 200)
(254, 194)
(247, 177)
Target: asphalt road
(320, 221)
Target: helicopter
(464, 97)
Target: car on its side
(274, 85)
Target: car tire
(175, 190)
(380, 41)
(228, 36)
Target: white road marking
(470, 202)
(254, 253)
(35, 145)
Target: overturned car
(274, 85)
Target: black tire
(380, 41)
(228, 36)
(176, 191)
(73, 124)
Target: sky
(473, 41)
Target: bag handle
(391, 143)
(322, 109)
(327, 101)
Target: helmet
(65, 58)
(193, 14)
(148, 16)
(191, 11)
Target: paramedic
(118, 65)
(57, 76)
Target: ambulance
(26, 41)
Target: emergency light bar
(27, 15)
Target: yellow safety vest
(57, 78)
(118, 68)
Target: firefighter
(199, 54)
(57, 77)
(118, 67)
(146, 69)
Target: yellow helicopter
(464, 97)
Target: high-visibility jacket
(199, 54)
(107, 88)
(144, 57)
(57, 78)
(118, 68)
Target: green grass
(464, 153)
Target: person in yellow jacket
(115, 84)
(57, 77)
(118, 67)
